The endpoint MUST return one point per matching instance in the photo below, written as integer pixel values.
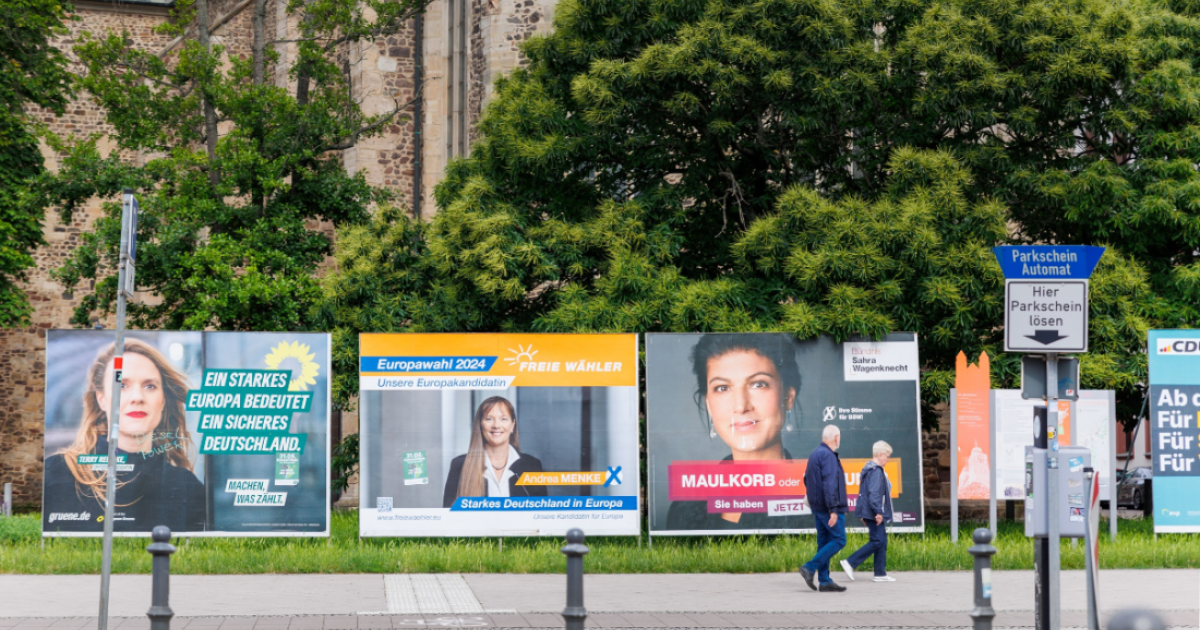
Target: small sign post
(1046, 312)
(128, 249)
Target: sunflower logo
(292, 356)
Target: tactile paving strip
(430, 594)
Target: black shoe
(832, 587)
(808, 577)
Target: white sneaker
(848, 570)
(884, 578)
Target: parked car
(1131, 488)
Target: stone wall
(382, 78)
(498, 28)
(382, 74)
(22, 351)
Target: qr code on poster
(383, 504)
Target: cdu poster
(1174, 439)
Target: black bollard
(575, 614)
(1136, 620)
(160, 612)
(983, 613)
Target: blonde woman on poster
(746, 388)
(493, 463)
(155, 483)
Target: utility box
(1072, 491)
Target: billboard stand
(993, 420)
(953, 446)
(124, 284)
(1112, 473)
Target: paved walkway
(772, 600)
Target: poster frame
(1157, 489)
(897, 529)
(226, 534)
(364, 456)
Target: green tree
(814, 166)
(228, 235)
(33, 72)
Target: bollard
(1136, 620)
(160, 612)
(7, 511)
(575, 614)
(983, 613)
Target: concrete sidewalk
(780, 600)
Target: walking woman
(875, 509)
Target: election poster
(1174, 440)
(498, 434)
(732, 419)
(219, 433)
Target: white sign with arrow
(1045, 315)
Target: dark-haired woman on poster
(493, 463)
(746, 387)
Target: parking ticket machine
(1072, 491)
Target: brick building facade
(464, 46)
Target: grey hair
(831, 431)
(881, 448)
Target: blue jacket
(874, 493)
(825, 482)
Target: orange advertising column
(973, 384)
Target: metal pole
(1041, 544)
(953, 446)
(575, 614)
(992, 462)
(1112, 464)
(7, 499)
(1052, 480)
(1092, 614)
(160, 612)
(114, 414)
(983, 613)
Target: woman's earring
(790, 425)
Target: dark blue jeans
(830, 540)
(877, 546)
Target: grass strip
(21, 551)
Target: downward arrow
(1046, 337)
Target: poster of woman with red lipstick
(732, 417)
(173, 465)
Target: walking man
(825, 483)
(875, 509)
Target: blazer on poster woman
(526, 463)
